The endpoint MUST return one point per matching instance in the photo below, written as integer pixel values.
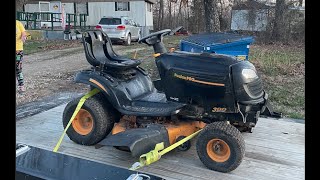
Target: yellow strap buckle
(155, 155)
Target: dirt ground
(51, 72)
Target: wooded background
(197, 16)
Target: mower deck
(275, 150)
(142, 140)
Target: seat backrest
(87, 44)
(108, 49)
(98, 49)
(98, 46)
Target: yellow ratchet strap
(81, 102)
(155, 155)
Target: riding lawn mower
(214, 93)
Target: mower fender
(101, 83)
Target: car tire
(139, 36)
(128, 40)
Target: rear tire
(128, 40)
(220, 147)
(92, 123)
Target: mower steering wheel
(153, 38)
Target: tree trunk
(215, 21)
(179, 13)
(279, 20)
(170, 14)
(174, 19)
(161, 14)
(207, 14)
(20, 4)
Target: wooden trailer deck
(275, 150)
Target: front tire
(220, 147)
(93, 122)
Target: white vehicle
(120, 29)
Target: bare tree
(279, 20)
(215, 20)
(207, 14)
(170, 13)
(211, 15)
(215, 15)
(20, 4)
(180, 10)
(161, 14)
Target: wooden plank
(275, 150)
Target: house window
(44, 6)
(81, 8)
(149, 7)
(122, 6)
(44, 9)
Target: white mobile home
(139, 10)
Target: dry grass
(34, 46)
(282, 69)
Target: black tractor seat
(98, 50)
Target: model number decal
(219, 109)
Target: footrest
(153, 108)
(139, 140)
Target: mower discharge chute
(216, 93)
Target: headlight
(249, 74)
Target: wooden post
(51, 14)
(34, 20)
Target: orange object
(180, 129)
(218, 150)
(172, 49)
(175, 130)
(83, 122)
(156, 55)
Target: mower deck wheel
(185, 146)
